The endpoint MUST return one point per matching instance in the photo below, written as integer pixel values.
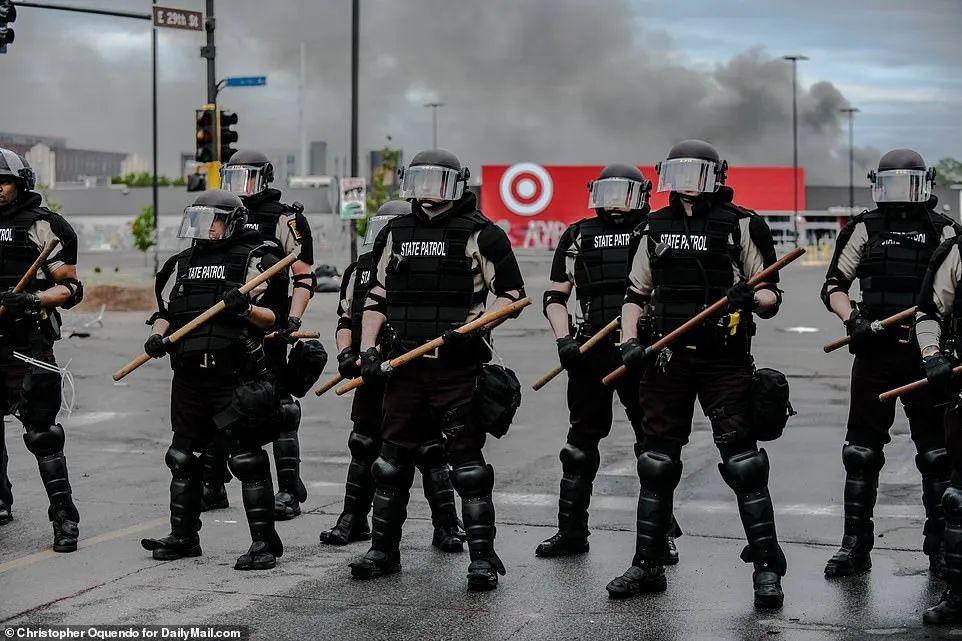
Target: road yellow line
(36, 557)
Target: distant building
(57, 163)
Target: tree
(52, 205)
(948, 171)
(382, 188)
(146, 179)
(142, 229)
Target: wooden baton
(715, 308)
(33, 269)
(432, 345)
(297, 335)
(334, 380)
(905, 314)
(216, 309)
(591, 342)
(911, 387)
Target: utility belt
(473, 352)
(584, 331)
(727, 334)
(227, 363)
(24, 331)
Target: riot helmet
(902, 177)
(215, 215)
(377, 222)
(247, 173)
(13, 165)
(692, 166)
(433, 176)
(620, 188)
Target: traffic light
(226, 135)
(8, 14)
(206, 135)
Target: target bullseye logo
(526, 189)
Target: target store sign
(535, 203)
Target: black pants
(590, 400)
(869, 420)
(428, 397)
(12, 372)
(721, 383)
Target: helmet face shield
(243, 180)
(201, 222)
(688, 174)
(901, 186)
(374, 226)
(620, 193)
(431, 182)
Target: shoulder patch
(292, 223)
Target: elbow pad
(830, 287)
(770, 313)
(344, 323)
(76, 292)
(306, 281)
(156, 316)
(551, 297)
(376, 303)
(633, 297)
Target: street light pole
(355, 32)
(155, 198)
(851, 111)
(434, 120)
(794, 60)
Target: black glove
(237, 303)
(457, 340)
(20, 305)
(569, 353)
(293, 325)
(860, 331)
(938, 372)
(347, 364)
(371, 366)
(741, 297)
(636, 357)
(157, 346)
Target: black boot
(359, 493)
(291, 491)
(862, 466)
(578, 469)
(6, 494)
(5, 514)
(747, 474)
(949, 609)
(474, 481)
(266, 546)
(935, 468)
(216, 474)
(393, 475)
(62, 512)
(643, 577)
(185, 496)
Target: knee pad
(933, 463)
(182, 463)
(430, 455)
(952, 502)
(40, 397)
(44, 441)
(580, 462)
(250, 465)
(393, 468)
(860, 460)
(289, 415)
(658, 471)
(473, 479)
(745, 472)
(362, 447)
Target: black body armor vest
(17, 254)
(601, 270)
(363, 277)
(692, 267)
(895, 258)
(430, 280)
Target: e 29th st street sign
(171, 18)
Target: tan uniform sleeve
(752, 261)
(252, 272)
(380, 271)
(944, 283)
(40, 233)
(285, 234)
(639, 276)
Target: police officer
(249, 174)
(888, 250)
(696, 250)
(365, 439)
(433, 271)
(29, 327)
(220, 389)
(592, 258)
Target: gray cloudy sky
(550, 81)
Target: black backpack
(496, 399)
(771, 408)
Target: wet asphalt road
(118, 433)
